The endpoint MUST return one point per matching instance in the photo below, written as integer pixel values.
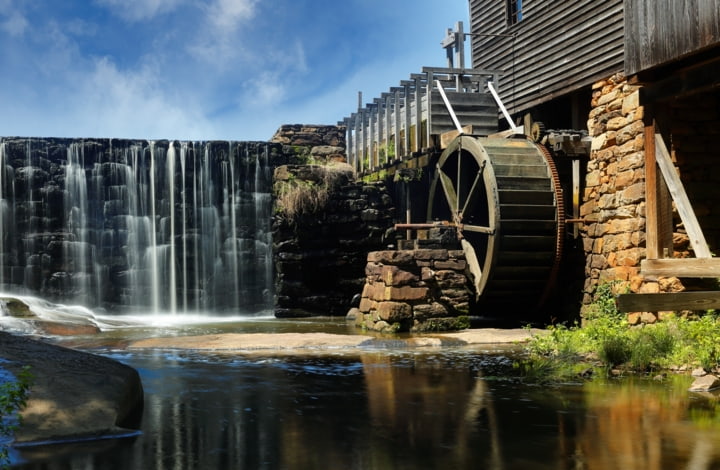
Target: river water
(394, 408)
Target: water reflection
(396, 410)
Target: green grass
(606, 341)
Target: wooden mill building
(643, 76)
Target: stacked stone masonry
(614, 233)
(416, 290)
(324, 223)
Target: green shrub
(13, 398)
(606, 339)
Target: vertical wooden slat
(362, 139)
(418, 114)
(428, 101)
(407, 120)
(576, 194)
(399, 146)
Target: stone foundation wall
(613, 204)
(414, 290)
(614, 199)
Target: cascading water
(135, 226)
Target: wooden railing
(408, 118)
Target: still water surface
(395, 409)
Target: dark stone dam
(135, 225)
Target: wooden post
(575, 194)
(658, 204)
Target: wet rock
(74, 395)
(698, 372)
(705, 383)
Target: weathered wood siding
(659, 31)
(558, 47)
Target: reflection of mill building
(628, 70)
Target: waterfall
(136, 226)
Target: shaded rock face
(134, 224)
(74, 394)
(320, 249)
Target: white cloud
(140, 10)
(227, 15)
(219, 40)
(12, 21)
(136, 104)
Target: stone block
(398, 258)
(429, 254)
(457, 265)
(406, 293)
(670, 284)
(394, 311)
(394, 276)
(632, 194)
(616, 123)
(592, 178)
(366, 305)
(631, 102)
(609, 96)
(432, 310)
(607, 201)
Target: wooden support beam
(668, 302)
(681, 267)
(697, 239)
(658, 204)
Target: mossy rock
(17, 308)
(461, 322)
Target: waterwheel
(504, 197)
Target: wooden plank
(538, 49)
(659, 31)
(681, 267)
(447, 137)
(697, 239)
(665, 302)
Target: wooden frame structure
(662, 187)
(409, 118)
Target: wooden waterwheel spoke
(472, 191)
(478, 229)
(473, 265)
(449, 191)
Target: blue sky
(206, 69)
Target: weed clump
(606, 341)
(308, 193)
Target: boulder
(74, 395)
(705, 383)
